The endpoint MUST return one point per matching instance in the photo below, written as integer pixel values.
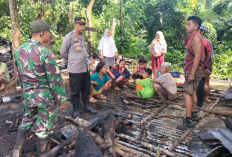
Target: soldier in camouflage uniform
(42, 87)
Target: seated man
(139, 68)
(97, 82)
(145, 87)
(4, 75)
(165, 85)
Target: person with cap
(203, 88)
(42, 87)
(74, 50)
(164, 85)
(193, 71)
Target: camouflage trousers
(44, 116)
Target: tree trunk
(16, 42)
(88, 16)
(113, 27)
(70, 13)
(120, 12)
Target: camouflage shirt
(39, 75)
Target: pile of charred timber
(137, 128)
(141, 133)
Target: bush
(222, 65)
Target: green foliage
(222, 66)
(177, 59)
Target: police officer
(74, 50)
(42, 87)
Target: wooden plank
(90, 29)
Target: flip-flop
(102, 96)
(92, 100)
(116, 88)
(124, 86)
(2, 87)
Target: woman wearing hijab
(158, 48)
(107, 48)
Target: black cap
(79, 20)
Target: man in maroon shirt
(203, 88)
(193, 71)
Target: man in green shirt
(4, 75)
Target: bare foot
(208, 100)
(116, 88)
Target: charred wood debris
(138, 128)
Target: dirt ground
(8, 112)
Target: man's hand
(116, 54)
(96, 83)
(207, 72)
(63, 105)
(191, 77)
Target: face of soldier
(46, 36)
(79, 27)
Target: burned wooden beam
(53, 151)
(79, 121)
(109, 137)
(178, 104)
(151, 115)
(147, 145)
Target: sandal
(124, 86)
(102, 96)
(92, 100)
(2, 87)
(116, 88)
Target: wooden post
(70, 12)
(88, 16)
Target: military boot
(87, 108)
(76, 112)
(195, 116)
(20, 140)
(42, 144)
